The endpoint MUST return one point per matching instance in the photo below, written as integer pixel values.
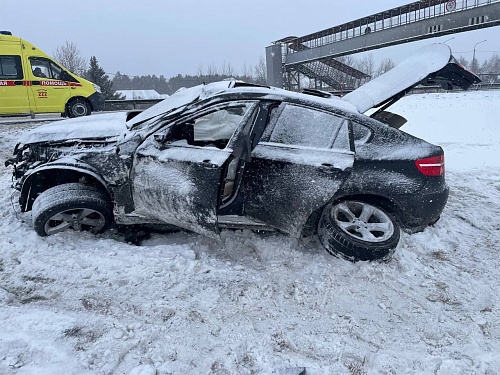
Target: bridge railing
(400, 16)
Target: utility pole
(474, 68)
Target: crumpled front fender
(45, 176)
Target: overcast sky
(180, 37)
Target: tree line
(69, 56)
(162, 85)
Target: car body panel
(452, 75)
(283, 185)
(179, 185)
(385, 168)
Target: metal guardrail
(479, 87)
(129, 104)
(436, 88)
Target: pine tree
(97, 75)
(121, 81)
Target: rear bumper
(423, 208)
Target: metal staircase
(328, 73)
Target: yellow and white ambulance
(32, 82)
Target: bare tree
(200, 70)
(69, 56)
(385, 65)
(366, 65)
(201, 74)
(227, 69)
(212, 74)
(463, 61)
(474, 65)
(491, 65)
(246, 71)
(260, 71)
(344, 79)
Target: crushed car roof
(184, 97)
(179, 99)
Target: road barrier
(129, 104)
(437, 88)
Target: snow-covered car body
(291, 162)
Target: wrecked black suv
(236, 155)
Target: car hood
(180, 99)
(429, 65)
(102, 126)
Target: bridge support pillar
(274, 65)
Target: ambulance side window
(55, 71)
(10, 67)
(40, 67)
(44, 68)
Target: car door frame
(189, 194)
(274, 194)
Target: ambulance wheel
(78, 107)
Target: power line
(476, 51)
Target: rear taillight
(433, 166)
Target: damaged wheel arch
(86, 208)
(53, 174)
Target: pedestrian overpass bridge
(313, 55)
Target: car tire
(358, 231)
(71, 206)
(78, 108)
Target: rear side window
(308, 127)
(10, 67)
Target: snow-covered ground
(264, 304)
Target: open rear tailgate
(452, 75)
(429, 65)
